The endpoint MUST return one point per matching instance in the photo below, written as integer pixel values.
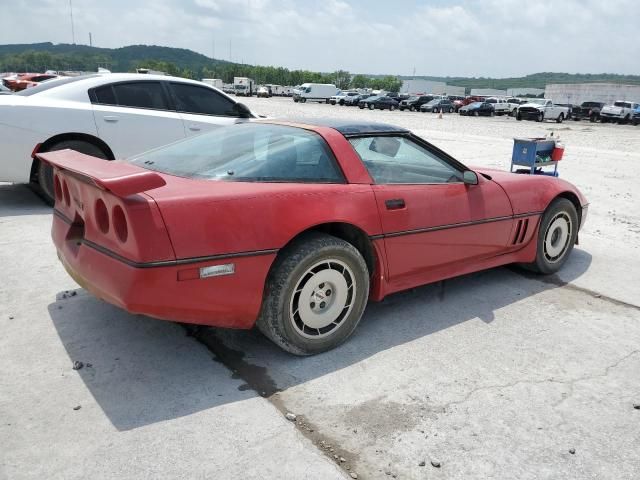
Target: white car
(108, 116)
(620, 111)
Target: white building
(521, 92)
(488, 92)
(419, 85)
(576, 93)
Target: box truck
(214, 82)
(243, 86)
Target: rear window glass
(248, 153)
(140, 95)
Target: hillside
(187, 63)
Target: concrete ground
(499, 375)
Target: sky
(479, 38)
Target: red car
(296, 226)
(26, 80)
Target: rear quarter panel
(209, 218)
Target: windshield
(433, 102)
(622, 104)
(49, 84)
(248, 152)
(538, 101)
(475, 104)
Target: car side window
(201, 100)
(398, 159)
(140, 95)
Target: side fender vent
(521, 231)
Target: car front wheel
(556, 236)
(315, 295)
(371, 106)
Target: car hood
(531, 105)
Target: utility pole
(213, 48)
(90, 40)
(230, 50)
(73, 33)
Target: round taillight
(102, 216)
(120, 223)
(57, 188)
(65, 194)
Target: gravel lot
(498, 375)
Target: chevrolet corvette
(294, 227)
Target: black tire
(392, 108)
(476, 113)
(626, 120)
(562, 209)
(518, 117)
(288, 278)
(540, 117)
(593, 118)
(342, 101)
(372, 106)
(303, 100)
(360, 107)
(45, 172)
(412, 108)
(451, 110)
(560, 118)
(295, 100)
(492, 113)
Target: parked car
(109, 116)
(500, 105)
(477, 108)
(588, 111)
(340, 98)
(378, 102)
(415, 102)
(438, 105)
(620, 112)
(263, 92)
(323, 229)
(635, 120)
(514, 103)
(26, 80)
(351, 101)
(540, 109)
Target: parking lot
(499, 374)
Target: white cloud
(458, 37)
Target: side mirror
(469, 177)
(242, 110)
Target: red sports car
(27, 80)
(294, 227)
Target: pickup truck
(588, 111)
(620, 112)
(540, 109)
(500, 105)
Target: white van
(314, 92)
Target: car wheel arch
(63, 137)
(573, 198)
(347, 232)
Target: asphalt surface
(499, 374)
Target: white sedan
(105, 115)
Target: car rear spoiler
(120, 178)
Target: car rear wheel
(556, 236)
(540, 117)
(45, 172)
(392, 108)
(492, 113)
(560, 118)
(315, 295)
(371, 106)
(476, 113)
(451, 110)
(412, 108)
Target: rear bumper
(168, 291)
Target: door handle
(395, 204)
(110, 118)
(194, 128)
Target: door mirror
(242, 110)
(469, 177)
